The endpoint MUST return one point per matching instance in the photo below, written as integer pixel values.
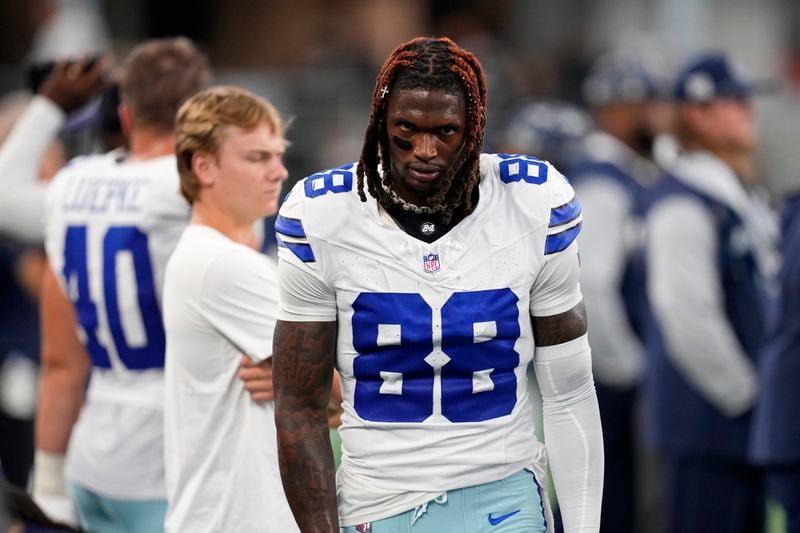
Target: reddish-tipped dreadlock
(434, 64)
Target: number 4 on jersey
(76, 273)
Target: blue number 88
(393, 334)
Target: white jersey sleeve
(304, 295)
(556, 288)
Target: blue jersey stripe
(560, 241)
(290, 226)
(302, 251)
(565, 213)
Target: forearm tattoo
(303, 357)
(557, 329)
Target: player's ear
(202, 165)
(693, 116)
(125, 119)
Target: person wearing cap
(613, 174)
(710, 250)
(554, 130)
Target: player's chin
(269, 206)
(425, 186)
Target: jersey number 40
(76, 273)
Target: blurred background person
(775, 438)
(33, 152)
(112, 221)
(551, 130)
(30, 154)
(615, 173)
(776, 426)
(710, 251)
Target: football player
(431, 275)
(112, 221)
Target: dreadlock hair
(434, 64)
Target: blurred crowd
(683, 163)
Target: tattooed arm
(303, 357)
(557, 329)
(573, 435)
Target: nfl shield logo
(364, 528)
(431, 263)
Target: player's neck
(240, 231)
(148, 143)
(741, 162)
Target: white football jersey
(433, 339)
(111, 225)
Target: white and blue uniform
(111, 225)
(434, 338)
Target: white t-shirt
(220, 301)
(111, 223)
(433, 338)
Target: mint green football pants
(510, 505)
(106, 515)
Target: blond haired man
(221, 300)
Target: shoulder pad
(308, 197)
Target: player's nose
(278, 173)
(425, 147)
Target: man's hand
(50, 488)
(73, 83)
(257, 378)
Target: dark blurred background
(317, 59)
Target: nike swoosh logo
(495, 521)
